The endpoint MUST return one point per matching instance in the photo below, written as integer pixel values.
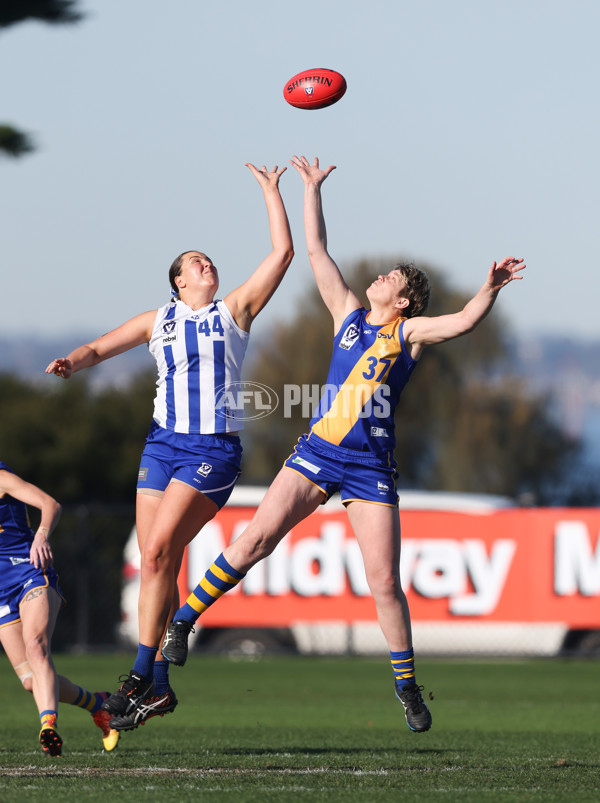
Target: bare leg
(166, 529)
(39, 610)
(377, 530)
(289, 500)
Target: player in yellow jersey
(350, 444)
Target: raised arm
(134, 332)
(338, 297)
(40, 553)
(423, 331)
(246, 301)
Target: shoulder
(354, 317)
(227, 313)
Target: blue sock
(144, 663)
(403, 665)
(161, 677)
(186, 612)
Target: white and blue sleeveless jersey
(198, 353)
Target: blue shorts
(358, 476)
(18, 579)
(209, 463)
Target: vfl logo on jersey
(379, 432)
(17, 561)
(169, 331)
(349, 338)
(204, 469)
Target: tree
(463, 423)
(51, 11)
(13, 142)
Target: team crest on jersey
(169, 331)
(349, 338)
(204, 469)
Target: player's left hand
(504, 272)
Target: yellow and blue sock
(161, 677)
(144, 663)
(48, 719)
(220, 578)
(90, 700)
(403, 665)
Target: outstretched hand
(310, 173)
(61, 367)
(504, 272)
(266, 178)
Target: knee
(37, 649)
(385, 585)
(156, 557)
(250, 548)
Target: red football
(314, 89)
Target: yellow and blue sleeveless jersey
(369, 368)
(16, 534)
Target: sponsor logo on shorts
(28, 583)
(349, 337)
(205, 469)
(142, 475)
(310, 466)
(379, 432)
(4, 610)
(381, 486)
(17, 561)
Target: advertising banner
(518, 565)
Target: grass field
(320, 729)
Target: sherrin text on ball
(314, 89)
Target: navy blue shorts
(209, 463)
(18, 578)
(358, 476)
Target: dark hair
(417, 288)
(174, 271)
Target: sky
(469, 132)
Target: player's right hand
(61, 367)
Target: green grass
(320, 729)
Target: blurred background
(468, 132)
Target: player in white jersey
(192, 455)
(350, 447)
